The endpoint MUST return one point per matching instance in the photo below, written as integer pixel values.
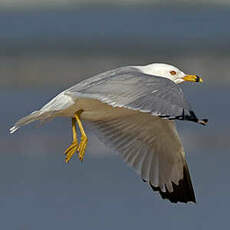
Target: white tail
(36, 115)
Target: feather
(152, 147)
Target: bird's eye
(173, 72)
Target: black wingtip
(183, 192)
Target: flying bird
(132, 110)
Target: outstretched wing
(132, 89)
(146, 142)
(152, 147)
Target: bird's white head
(170, 72)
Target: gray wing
(132, 89)
(147, 143)
(152, 147)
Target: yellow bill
(193, 78)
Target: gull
(132, 110)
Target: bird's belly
(93, 110)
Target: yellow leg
(74, 146)
(84, 139)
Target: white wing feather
(148, 144)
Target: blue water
(139, 27)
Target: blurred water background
(46, 47)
